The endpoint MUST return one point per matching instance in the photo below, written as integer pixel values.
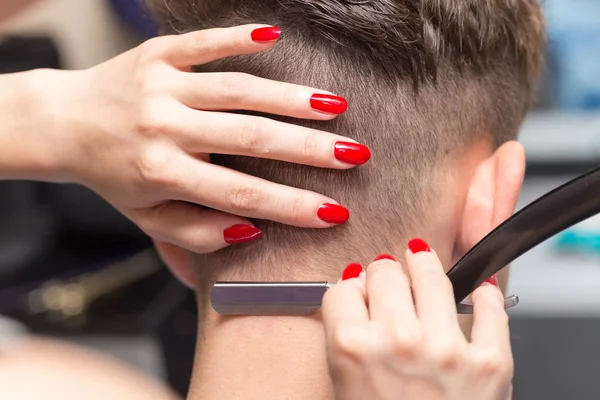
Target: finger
(207, 45)
(238, 91)
(177, 261)
(490, 321)
(432, 291)
(266, 138)
(389, 294)
(236, 193)
(195, 228)
(345, 302)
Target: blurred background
(71, 267)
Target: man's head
(434, 88)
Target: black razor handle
(552, 213)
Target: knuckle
(153, 166)
(378, 272)
(297, 209)
(290, 99)
(491, 305)
(238, 42)
(492, 364)
(152, 120)
(425, 280)
(252, 136)
(245, 199)
(447, 359)
(235, 87)
(406, 346)
(311, 145)
(347, 342)
(503, 318)
(197, 42)
(150, 81)
(148, 226)
(150, 50)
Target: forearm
(30, 144)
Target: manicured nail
(352, 271)
(418, 245)
(492, 280)
(266, 34)
(385, 257)
(241, 233)
(333, 213)
(328, 103)
(351, 153)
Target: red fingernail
(352, 271)
(352, 153)
(237, 234)
(333, 213)
(266, 34)
(385, 257)
(493, 280)
(418, 245)
(328, 103)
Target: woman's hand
(143, 126)
(382, 344)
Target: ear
(178, 261)
(492, 197)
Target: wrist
(30, 126)
(57, 107)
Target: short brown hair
(424, 79)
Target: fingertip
(353, 270)
(418, 245)
(265, 34)
(333, 214)
(322, 116)
(414, 250)
(487, 289)
(241, 233)
(385, 264)
(492, 280)
(351, 153)
(385, 257)
(328, 103)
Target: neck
(260, 358)
(265, 357)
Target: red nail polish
(493, 280)
(385, 257)
(328, 103)
(418, 245)
(351, 153)
(352, 271)
(333, 213)
(266, 34)
(240, 233)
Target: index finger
(207, 45)
(490, 321)
(345, 301)
(432, 290)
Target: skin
(36, 368)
